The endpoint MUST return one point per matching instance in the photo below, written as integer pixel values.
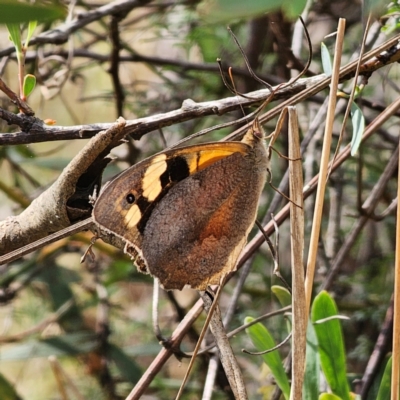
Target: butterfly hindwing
(197, 231)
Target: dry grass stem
(315, 232)
(299, 307)
(396, 318)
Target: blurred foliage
(14, 12)
(95, 318)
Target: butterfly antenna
(234, 88)
(225, 82)
(234, 91)
(255, 76)
(308, 63)
(246, 60)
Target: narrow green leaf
(358, 122)
(31, 29)
(130, 371)
(150, 349)
(64, 345)
(58, 280)
(263, 340)
(385, 386)
(282, 294)
(29, 84)
(311, 376)
(328, 396)
(24, 152)
(392, 24)
(326, 60)
(15, 272)
(7, 390)
(15, 36)
(13, 12)
(330, 344)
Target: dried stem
(323, 174)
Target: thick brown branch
(139, 127)
(300, 90)
(55, 208)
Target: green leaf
(207, 38)
(150, 349)
(330, 344)
(358, 122)
(13, 12)
(328, 396)
(15, 36)
(24, 151)
(214, 11)
(311, 376)
(391, 18)
(326, 60)
(16, 271)
(283, 295)
(29, 84)
(376, 7)
(263, 340)
(385, 386)
(7, 390)
(126, 366)
(58, 280)
(293, 9)
(31, 29)
(64, 345)
(120, 270)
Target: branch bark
(61, 204)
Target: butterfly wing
(125, 205)
(185, 214)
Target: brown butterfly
(185, 213)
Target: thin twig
(381, 348)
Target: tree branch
(67, 200)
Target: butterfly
(185, 214)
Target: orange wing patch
(202, 158)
